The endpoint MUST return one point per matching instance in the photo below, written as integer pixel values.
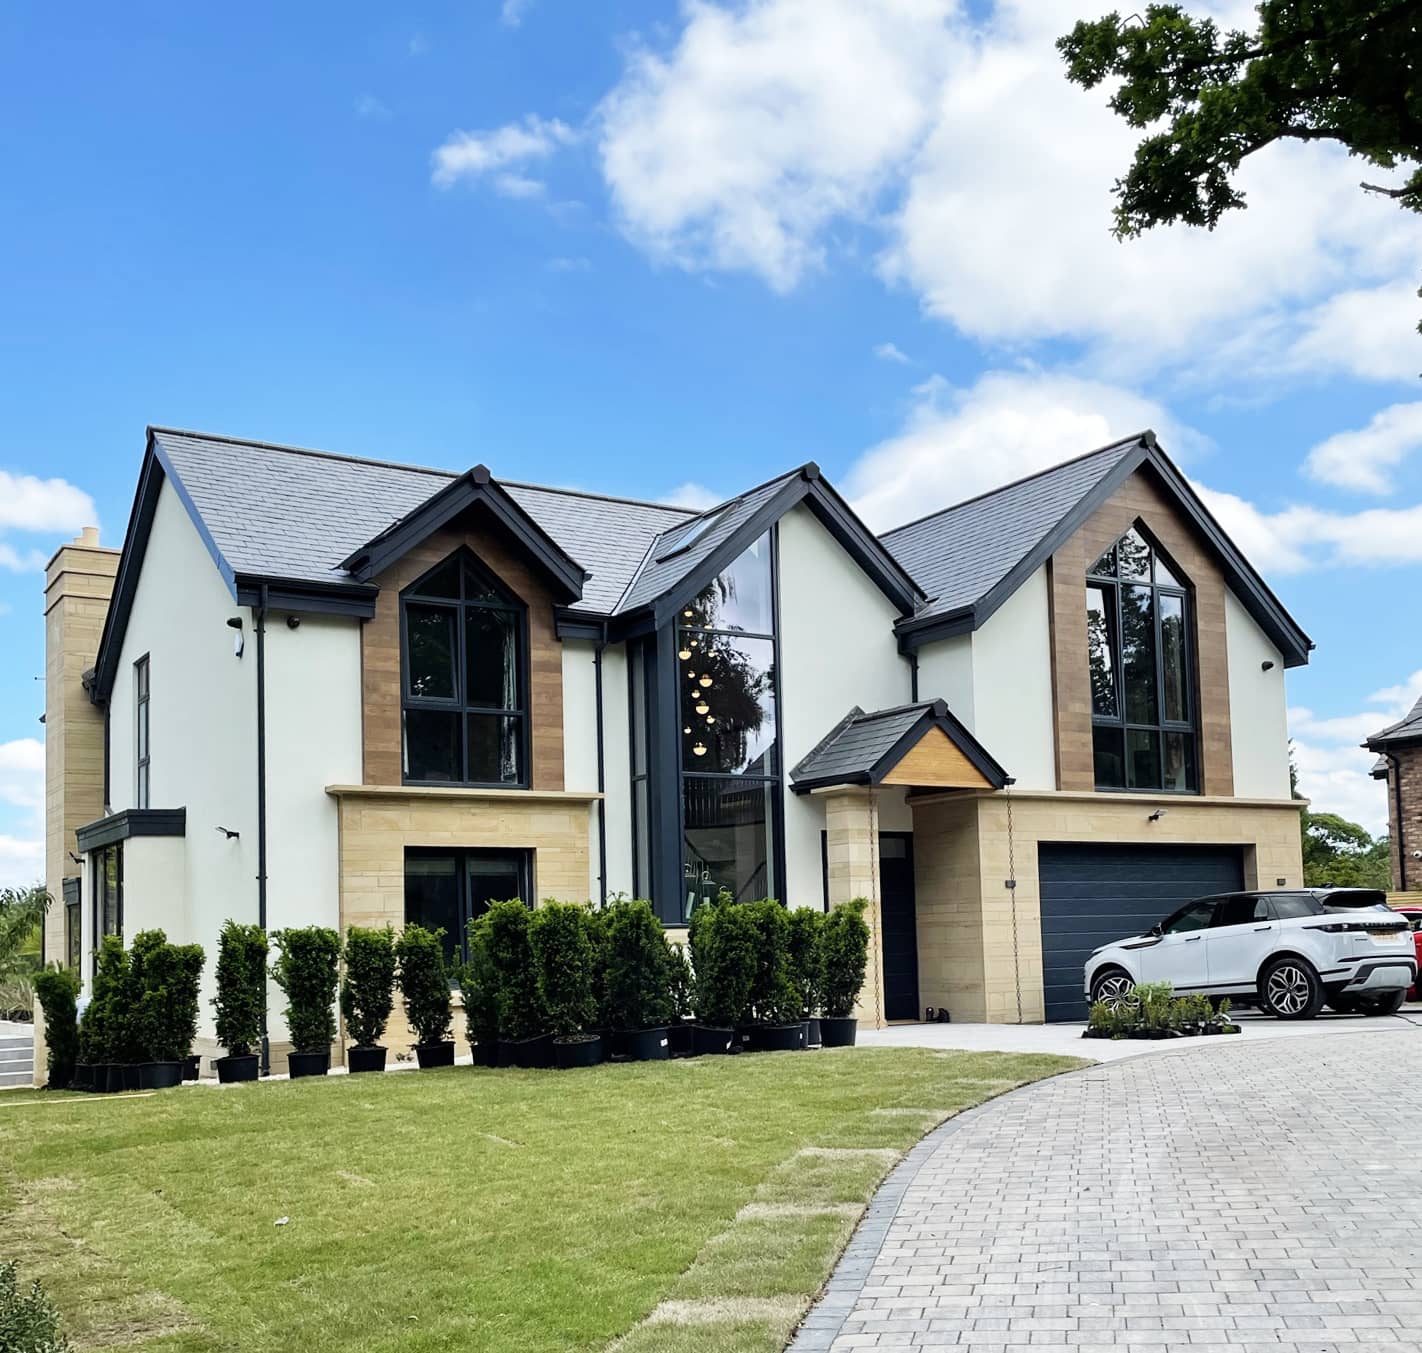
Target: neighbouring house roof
(971, 557)
(1379, 770)
(1404, 730)
(866, 748)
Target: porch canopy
(921, 746)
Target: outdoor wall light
(235, 623)
(293, 622)
(1267, 665)
(228, 833)
(1157, 815)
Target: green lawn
(682, 1206)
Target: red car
(1414, 919)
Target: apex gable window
(1141, 655)
(464, 655)
(140, 732)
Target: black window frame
(142, 732)
(521, 859)
(72, 891)
(97, 879)
(459, 704)
(1112, 586)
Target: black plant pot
(836, 1032)
(646, 1045)
(192, 1067)
(812, 1033)
(484, 1054)
(708, 1040)
(233, 1070)
(679, 1039)
(775, 1037)
(129, 1073)
(159, 1075)
(531, 1054)
(365, 1059)
(431, 1055)
(299, 1064)
(99, 1077)
(582, 1050)
(83, 1078)
(504, 1054)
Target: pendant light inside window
(702, 707)
(699, 749)
(705, 680)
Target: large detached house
(317, 689)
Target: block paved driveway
(1220, 1197)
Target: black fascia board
(938, 715)
(579, 625)
(312, 598)
(131, 822)
(858, 777)
(913, 634)
(865, 548)
(475, 487)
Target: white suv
(1289, 952)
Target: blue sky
(666, 250)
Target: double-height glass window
(1139, 647)
(729, 732)
(140, 731)
(446, 889)
(106, 869)
(465, 658)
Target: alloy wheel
(1289, 989)
(1115, 990)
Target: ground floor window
(726, 822)
(73, 936)
(446, 889)
(107, 866)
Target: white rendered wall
(617, 761)
(1259, 731)
(945, 672)
(580, 735)
(837, 650)
(154, 874)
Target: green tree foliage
(166, 1014)
(723, 958)
(563, 958)
(424, 982)
(806, 959)
(683, 986)
(1345, 71)
(22, 912)
(58, 991)
(241, 999)
(479, 987)
(504, 932)
(367, 989)
(308, 962)
(28, 1322)
(1342, 853)
(774, 998)
(638, 981)
(844, 943)
(104, 1029)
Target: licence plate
(1386, 936)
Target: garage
(1093, 894)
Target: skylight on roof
(684, 538)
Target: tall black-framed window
(73, 933)
(140, 732)
(728, 734)
(641, 666)
(106, 875)
(1140, 648)
(446, 889)
(464, 661)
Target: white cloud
(22, 789)
(473, 154)
(28, 503)
(1361, 459)
(1369, 333)
(692, 495)
(369, 106)
(737, 148)
(21, 561)
(518, 185)
(891, 352)
(21, 861)
(511, 12)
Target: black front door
(900, 925)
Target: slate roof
(1404, 730)
(1380, 768)
(291, 513)
(958, 555)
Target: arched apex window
(464, 659)
(1140, 650)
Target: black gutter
(601, 775)
(913, 675)
(1397, 808)
(259, 615)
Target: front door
(900, 925)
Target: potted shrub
(722, 959)
(681, 991)
(167, 1009)
(367, 994)
(241, 999)
(638, 990)
(307, 966)
(806, 966)
(57, 990)
(776, 1013)
(479, 991)
(105, 1021)
(524, 1039)
(424, 984)
(844, 948)
(563, 959)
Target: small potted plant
(478, 989)
(806, 965)
(638, 989)
(241, 999)
(306, 970)
(844, 946)
(682, 986)
(167, 1009)
(424, 984)
(722, 960)
(57, 990)
(367, 994)
(524, 1039)
(776, 1012)
(563, 958)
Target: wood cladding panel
(380, 650)
(936, 763)
(1138, 499)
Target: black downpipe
(260, 616)
(913, 676)
(1397, 809)
(601, 776)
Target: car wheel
(1112, 985)
(1289, 989)
(1383, 1005)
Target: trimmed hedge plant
(367, 989)
(241, 998)
(105, 1020)
(520, 1007)
(844, 945)
(723, 957)
(682, 984)
(167, 1014)
(307, 967)
(57, 989)
(806, 925)
(563, 959)
(479, 987)
(638, 990)
(774, 999)
(28, 1321)
(424, 983)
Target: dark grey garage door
(1092, 895)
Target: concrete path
(1248, 1195)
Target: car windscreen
(1351, 899)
